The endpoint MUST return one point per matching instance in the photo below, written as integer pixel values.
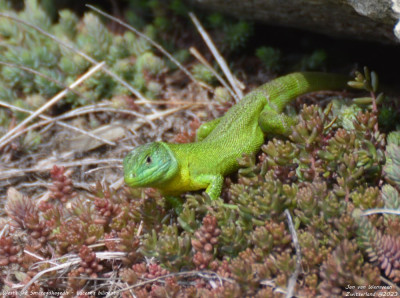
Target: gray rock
(373, 20)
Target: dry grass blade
(295, 275)
(9, 136)
(117, 184)
(7, 174)
(103, 108)
(390, 283)
(167, 112)
(33, 71)
(53, 269)
(72, 260)
(381, 211)
(272, 284)
(36, 256)
(73, 49)
(199, 57)
(82, 131)
(94, 109)
(152, 42)
(202, 274)
(221, 61)
(3, 231)
(84, 110)
(113, 131)
(176, 102)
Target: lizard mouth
(131, 179)
(134, 180)
(148, 177)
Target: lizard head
(149, 165)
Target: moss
(203, 73)
(315, 61)
(270, 57)
(148, 62)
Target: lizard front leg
(214, 182)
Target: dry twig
(196, 53)
(9, 136)
(63, 124)
(221, 61)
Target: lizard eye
(148, 160)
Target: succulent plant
(335, 164)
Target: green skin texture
(178, 168)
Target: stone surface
(373, 20)
(396, 9)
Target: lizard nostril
(131, 175)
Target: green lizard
(178, 168)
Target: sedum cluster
(128, 56)
(240, 245)
(334, 165)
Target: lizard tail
(284, 89)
